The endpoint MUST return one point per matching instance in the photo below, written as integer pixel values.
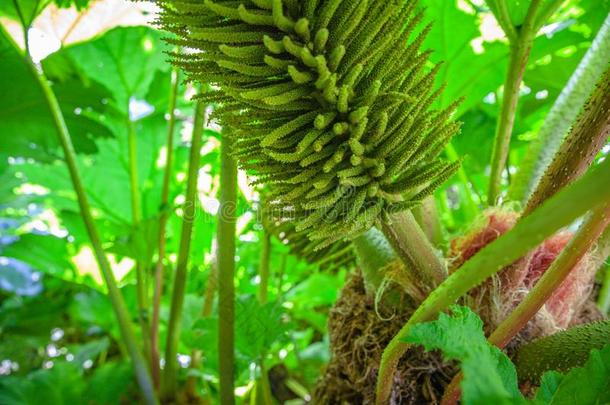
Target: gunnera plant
(361, 324)
(330, 105)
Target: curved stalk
(116, 299)
(580, 244)
(577, 152)
(413, 247)
(169, 383)
(520, 47)
(161, 240)
(569, 204)
(226, 270)
(563, 113)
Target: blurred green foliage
(56, 324)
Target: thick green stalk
(567, 205)
(588, 135)
(373, 252)
(161, 239)
(118, 305)
(169, 383)
(263, 268)
(520, 48)
(226, 270)
(563, 113)
(413, 247)
(427, 217)
(561, 351)
(206, 310)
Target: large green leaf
(489, 376)
(465, 72)
(589, 384)
(28, 9)
(60, 385)
(45, 253)
(26, 124)
(124, 60)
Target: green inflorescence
(329, 103)
(331, 258)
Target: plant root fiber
(358, 336)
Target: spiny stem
(520, 47)
(169, 383)
(118, 305)
(587, 136)
(580, 244)
(413, 247)
(161, 240)
(561, 351)
(226, 268)
(263, 269)
(562, 115)
(206, 310)
(561, 210)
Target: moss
(358, 336)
